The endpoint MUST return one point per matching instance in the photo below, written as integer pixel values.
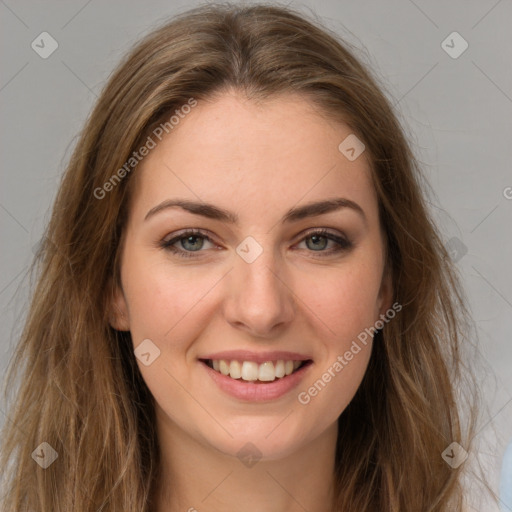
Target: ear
(119, 318)
(385, 297)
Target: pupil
(316, 239)
(190, 240)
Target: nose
(259, 297)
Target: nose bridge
(259, 297)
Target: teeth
(279, 369)
(235, 371)
(223, 367)
(251, 371)
(266, 372)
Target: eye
(192, 241)
(320, 239)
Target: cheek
(172, 307)
(162, 299)
(345, 308)
(168, 307)
(345, 301)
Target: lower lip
(257, 392)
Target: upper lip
(257, 357)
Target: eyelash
(343, 243)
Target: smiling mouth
(250, 371)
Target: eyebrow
(211, 211)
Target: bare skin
(298, 295)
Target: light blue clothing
(506, 481)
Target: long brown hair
(80, 389)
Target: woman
(242, 301)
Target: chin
(268, 438)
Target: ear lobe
(118, 314)
(385, 292)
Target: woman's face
(258, 291)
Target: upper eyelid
(190, 232)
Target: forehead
(253, 158)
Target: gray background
(457, 112)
